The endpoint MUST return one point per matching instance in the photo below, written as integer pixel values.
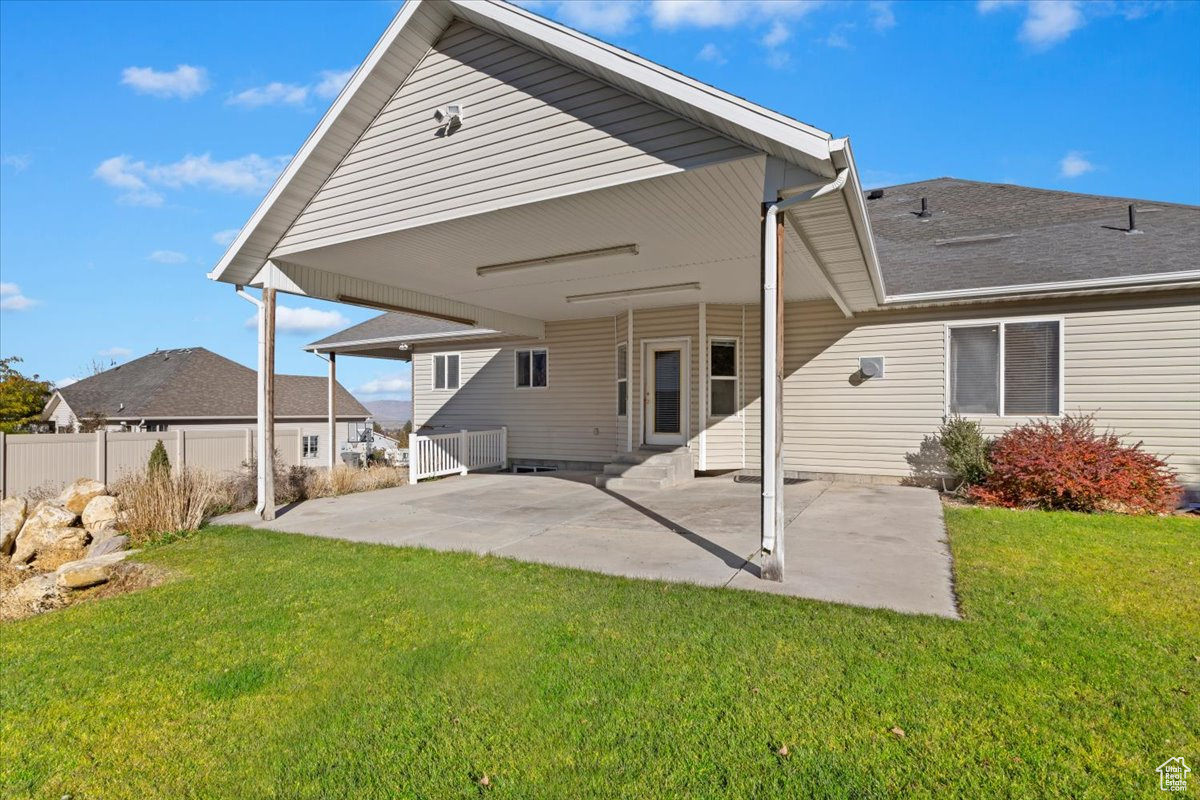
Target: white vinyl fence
(34, 460)
(456, 453)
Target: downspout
(772, 451)
(260, 432)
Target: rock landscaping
(55, 550)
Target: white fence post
(249, 445)
(414, 458)
(102, 456)
(504, 447)
(180, 449)
(3, 465)
(464, 454)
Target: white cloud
(302, 320)
(184, 82)
(274, 93)
(167, 257)
(331, 83)
(11, 298)
(882, 15)
(226, 237)
(1047, 22)
(114, 352)
(1073, 165)
(710, 52)
(725, 13)
(599, 16)
(19, 162)
(251, 174)
(277, 93)
(65, 382)
(837, 37)
(778, 34)
(386, 384)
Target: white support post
(463, 456)
(772, 395)
(703, 386)
(266, 399)
(332, 445)
(102, 456)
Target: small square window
(532, 369)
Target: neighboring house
(195, 389)
(586, 230)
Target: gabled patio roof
(692, 210)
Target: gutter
(1164, 279)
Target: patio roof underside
(699, 226)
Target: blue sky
(135, 138)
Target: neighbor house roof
(980, 237)
(198, 384)
(391, 327)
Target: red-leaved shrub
(1068, 465)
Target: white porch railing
(456, 453)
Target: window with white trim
(1006, 368)
(533, 367)
(722, 377)
(309, 445)
(445, 371)
(622, 380)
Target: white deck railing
(456, 453)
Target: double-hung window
(1006, 368)
(445, 371)
(533, 368)
(722, 377)
(309, 444)
(622, 380)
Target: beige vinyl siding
(532, 129)
(732, 441)
(572, 419)
(1133, 361)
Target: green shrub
(966, 450)
(159, 464)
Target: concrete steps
(647, 470)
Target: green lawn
(283, 666)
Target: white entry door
(666, 400)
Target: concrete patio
(875, 546)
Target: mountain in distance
(390, 413)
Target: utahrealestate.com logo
(1173, 774)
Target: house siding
(1132, 360)
(572, 419)
(533, 129)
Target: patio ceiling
(700, 227)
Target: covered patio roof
(691, 212)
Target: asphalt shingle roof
(1023, 236)
(391, 325)
(194, 382)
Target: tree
(21, 398)
(159, 465)
(92, 422)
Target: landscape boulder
(40, 541)
(12, 517)
(46, 516)
(89, 571)
(108, 544)
(76, 496)
(100, 514)
(33, 596)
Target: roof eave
(1171, 280)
